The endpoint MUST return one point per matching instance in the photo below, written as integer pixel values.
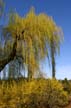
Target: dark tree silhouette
(5, 60)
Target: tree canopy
(33, 34)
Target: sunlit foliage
(35, 34)
(34, 94)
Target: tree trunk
(4, 73)
(9, 58)
(29, 72)
(53, 66)
(53, 59)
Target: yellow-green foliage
(33, 32)
(37, 93)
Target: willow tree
(33, 34)
(54, 43)
(53, 37)
(29, 33)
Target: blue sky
(60, 10)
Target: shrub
(45, 93)
(34, 94)
(66, 85)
